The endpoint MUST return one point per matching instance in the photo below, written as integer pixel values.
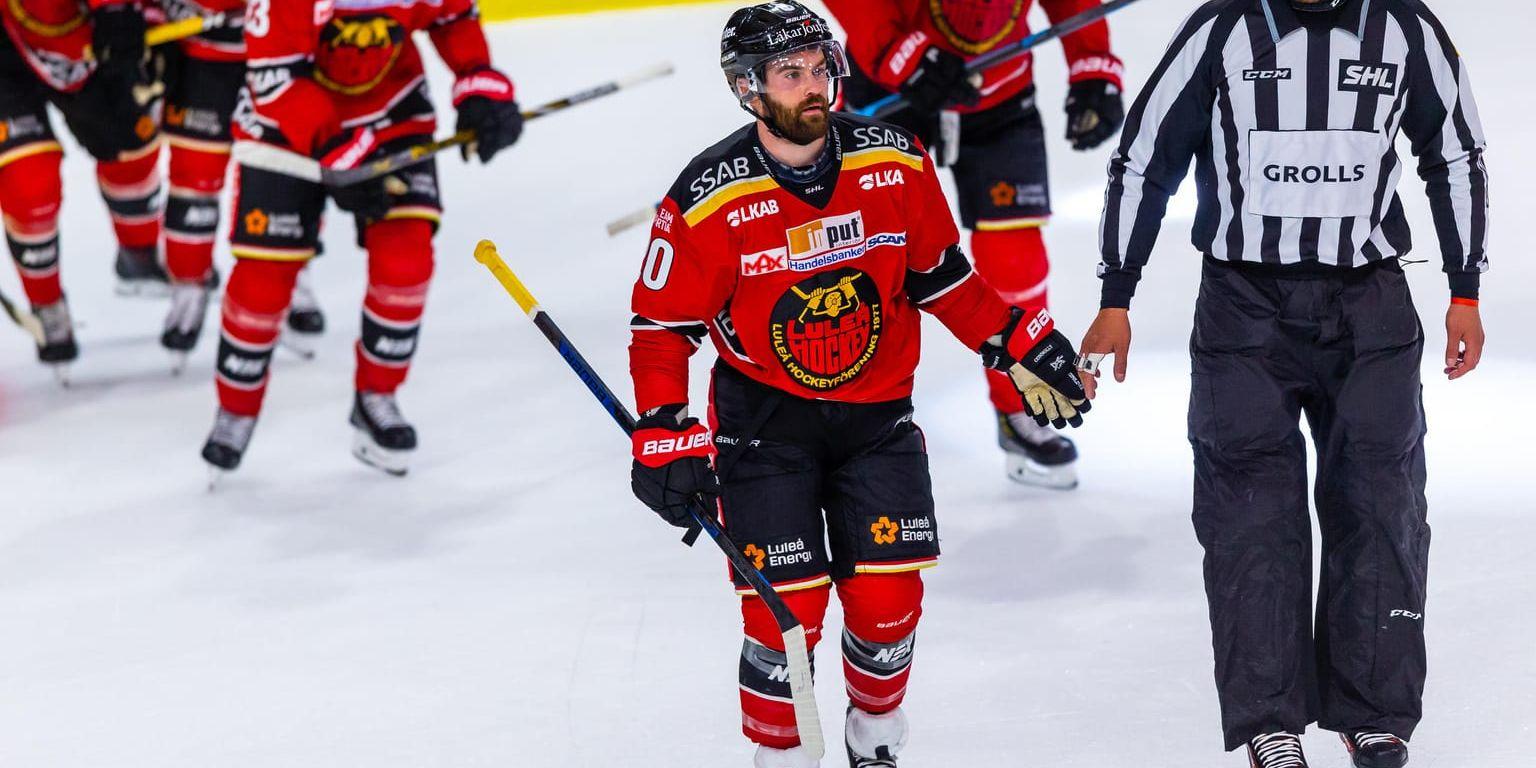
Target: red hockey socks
(767, 710)
(399, 272)
(30, 193)
(192, 209)
(131, 189)
(880, 613)
(1014, 263)
(255, 303)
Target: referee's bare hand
(1463, 340)
(1110, 334)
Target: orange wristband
(1459, 301)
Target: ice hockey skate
(184, 321)
(1276, 750)
(140, 273)
(1036, 455)
(58, 348)
(226, 443)
(873, 741)
(383, 438)
(1375, 749)
(304, 315)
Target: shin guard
(255, 302)
(880, 627)
(30, 193)
(399, 273)
(192, 208)
(131, 189)
(767, 710)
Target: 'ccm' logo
(1360, 77)
(1267, 74)
(1396, 612)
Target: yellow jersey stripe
(867, 157)
(724, 195)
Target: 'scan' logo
(885, 530)
(826, 328)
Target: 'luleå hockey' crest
(975, 26)
(826, 328)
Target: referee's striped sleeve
(1168, 121)
(1440, 119)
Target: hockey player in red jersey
(989, 133)
(341, 81)
(87, 60)
(804, 245)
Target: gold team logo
(826, 328)
(756, 555)
(357, 52)
(885, 530)
(975, 26)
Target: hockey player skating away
(87, 60)
(804, 245)
(203, 75)
(1292, 109)
(341, 85)
(989, 132)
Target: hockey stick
(627, 221)
(894, 102)
(289, 163)
(796, 651)
(23, 319)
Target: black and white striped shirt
(1291, 119)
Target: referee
(1290, 109)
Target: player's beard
(795, 124)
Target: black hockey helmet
(759, 34)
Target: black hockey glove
(1043, 366)
(368, 200)
(1095, 113)
(117, 37)
(939, 81)
(486, 107)
(671, 467)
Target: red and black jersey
(351, 62)
(54, 37)
(878, 28)
(810, 286)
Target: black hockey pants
(1345, 352)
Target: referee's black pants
(1344, 351)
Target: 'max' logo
(1360, 77)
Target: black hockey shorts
(24, 125)
(1000, 170)
(822, 490)
(1344, 352)
(277, 217)
(200, 96)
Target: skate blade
(215, 477)
(143, 289)
(393, 462)
(1025, 471)
(60, 373)
(178, 361)
(288, 341)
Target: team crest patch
(975, 26)
(826, 328)
(357, 52)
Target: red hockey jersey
(812, 286)
(54, 38)
(353, 61)
(878, 28)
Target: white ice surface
(509, 604)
